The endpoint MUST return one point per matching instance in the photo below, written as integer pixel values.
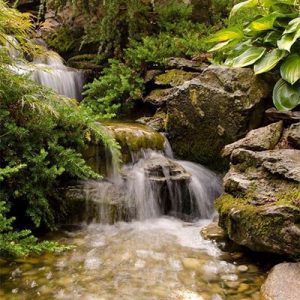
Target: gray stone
(185, 64)
(159, 97)
(283, 283)
(294, 135)
(273, 115)
(264, 138)
(213, 232)
(215, 109)
(285, 162)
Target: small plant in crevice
(269, 40)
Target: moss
(174, 77)
(290, 197)
(244, 221)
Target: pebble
(191, 263)
(243, 287)
(242, 268)
(232, 284)
(229, 277)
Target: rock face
(208, 108)
(261, 206)
(283, 283)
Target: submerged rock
(283, 283)
(213, 232)
(215, 109)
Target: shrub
(269, 40)
(107, 95)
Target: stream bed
(160, 258)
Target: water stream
(159, 254)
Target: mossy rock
(215, 109)
(174, 77)
(273, 227)
(134, 137)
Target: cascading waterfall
(151, 185)
(48, 70)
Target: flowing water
(159, 254)
(48, 69)
(162, 258)
(152, 257)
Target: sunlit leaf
(293, 26)
(269, 61)
(264, 23)
(223, 45)
(290, 69)
(285, 96)
(288, 40)
(243, 5)
(248, 57)
(226, 34)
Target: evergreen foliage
(42, 136)
(141, 35)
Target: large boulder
(283, 283)
(213, 109)
(261, 206)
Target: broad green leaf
(290, 69)
(288, 40)
(226, 34)
(242, 5)
(272, 37)
(221, 46)
(269, 61)
(248, 57)
(285, 96)
(269, 3)
(264, 23)
(293, 26)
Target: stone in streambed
(283, 283)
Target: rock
(264, 228)
(151, 74)
(283, 283)
(213, 110)
(213, 232)
(174, 77)
(185, 64)
(159, 97)
(134, 137)
(192, 263)
(264, 138)
(242, 268)
(261, 206)
(157, 167)
(294, 135)
(285, 162)
(288, 117)
(157, 122)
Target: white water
(48, 70)
(155, 259)
(153, 185)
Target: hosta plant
(268, 41)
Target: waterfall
(151, 185)
(47, 69)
